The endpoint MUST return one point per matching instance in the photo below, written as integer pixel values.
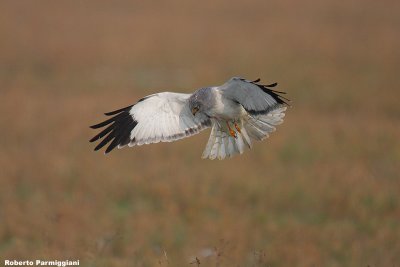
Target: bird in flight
(237, 112)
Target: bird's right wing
(162, 117)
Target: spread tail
(222, 144)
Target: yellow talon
(237, 128)
(231, 132)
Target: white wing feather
(162, 117)
(165, 117)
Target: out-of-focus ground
(321, 191)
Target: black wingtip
(271, 85)
(110, 148)
(118, 130)
(102, 133)
(256, 80)
(117, 111)
(277, 95)
(104, 123)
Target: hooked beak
(194, 110)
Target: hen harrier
(236, 111)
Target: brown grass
(322, 191)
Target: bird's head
(200, 101)
(194, 105)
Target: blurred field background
(321, 191)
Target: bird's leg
(237, 127)
(231, 132)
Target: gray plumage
(202, 99)
(237, 111)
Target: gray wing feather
(255, 98)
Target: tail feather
(222, 147)
(239, 143)
(226, 143)
(221, 144)
(246, 138)
(232, 149)
(210, 143)
(217, 144)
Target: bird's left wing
(255, 98)
(162, 117)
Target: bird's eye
(194, 110)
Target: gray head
(201, 100)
